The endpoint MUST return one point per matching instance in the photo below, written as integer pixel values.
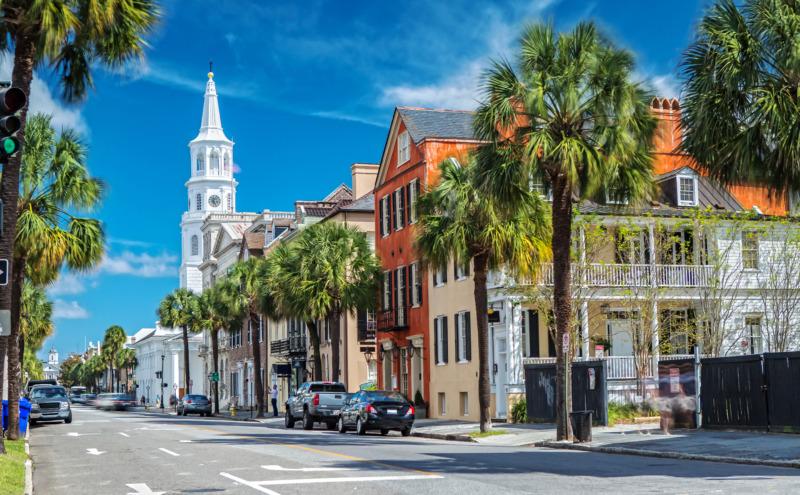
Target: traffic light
(11, 101)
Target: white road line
(305, 469)
(252, 485)
(162, 449)
(141, 489)
(185, 441)
(351, 479)
(94, 451)
(124, 434)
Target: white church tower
(211, 187)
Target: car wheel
(69, 419)
(288, 420)
(308, 423)
(405, 432)
(342, 428)
(384, 431)
(361, 428)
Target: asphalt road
(135, 453)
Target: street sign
(5, 322)
(213, 376)
(565, 343)
(4, 272)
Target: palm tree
(92, 369)
(36, 323)
(55, 192)
(457, 221)
(569, 115)
(113, 342)
(740, 101)
(126, 359)
(179, 309)
(73, 37)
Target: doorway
(416, 372)
(501, 377)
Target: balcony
(393, 319)
(368, 335)
(629, 275)
(279, 347)
(293, 346)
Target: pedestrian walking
(275, 399)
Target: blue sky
(306, 89)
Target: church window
(199, 163)
(214, 163)
(227, 162)
(198, 201)
(195, 245)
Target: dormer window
(687, 190)
(403, 151)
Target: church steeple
(211, 123)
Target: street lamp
(162, 383)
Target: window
(401, 295)
(463, 337)
(399, 209)
(199, 163)
(387, 291)
(249, 331)
(214, 163)
(753, 330)
(440, 276)
(403, 154)
(464, 401)
(687, 191)
(198, 200)
(750, 250)
(404, 371)
(416, 285)
(440, 339)
(413, 194)
(226, 163)
(442, 404)
(384, 206)
(195, 245)
(461, 270)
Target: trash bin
(24, 414)
(581, 425)
(5, 415)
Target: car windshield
(48, 393)
(384, 397)
(328, 387)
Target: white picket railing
(632, 275)
(617, 367)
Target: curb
(668, 455)
(28, 465)
(444, 436)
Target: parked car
(116, 402)
(377, 410)
(76, 399)
(33, 383)
(194, 404)
(49, 403)
(89, 399)
(316, 402)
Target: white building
(52, 368)
(159, 356)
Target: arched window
(198, 201)
(195, 245)
(200, 163)
(214, 163)
(226, 164)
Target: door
(619, 334)
(416, 373)
(501, 398)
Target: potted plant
(420, 406)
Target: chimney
(364, 175)
(668, 130)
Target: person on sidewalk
(275, 399)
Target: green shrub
(618, 412)
(418, 399)
(519, 411)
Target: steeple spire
(211, 123)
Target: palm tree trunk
(259, 384)
(314, 336)
(14, 358)
(562, 300)
(336, 337)
(215, 358)
(21, 77)
(481, 322)
(186, 377)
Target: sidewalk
(740, 447)
(513, 435)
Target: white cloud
(140, 265)
(129, 242)
(665, 85)
(42, 100)
(457, 91)
(67, 283)
(335, 115)
(68, 310)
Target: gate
(589, 390)
(733, 393)
(782, 370)
(676, 380)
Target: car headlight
(64, 406)
(34, 406)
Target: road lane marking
(185, 441)
(162, 449)
(94, 451)
(305, 469)
(252, 485)
(142, 489)
(76, 434)
(124, 434)
(349, 479)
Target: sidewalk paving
(516, 434)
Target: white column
(585, 329)
(655, 336)
(513, 312)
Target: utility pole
(162, 383)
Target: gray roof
(427, 123)
(364, 203)
(709, 193)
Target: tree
(70, 371)
(36, 323)
(126, 360)
(55, 191)
(572, 117)
(92, 369)
(73, 37)
(113, 342)
(740, 103)
(457, 221)
(179, 309)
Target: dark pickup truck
(316, 402)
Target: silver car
(50, 403)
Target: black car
(195, 404)
(377, 410)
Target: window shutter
(444, 273)
(402, 197)
(382, 208)
(393, 298)
(406, 288)
(456, 335)
(419, 284)
(392, 211)
(533, 332)
(436, 331)
(468, 330)
(407, 190)
(361, 318)
(444, 339)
